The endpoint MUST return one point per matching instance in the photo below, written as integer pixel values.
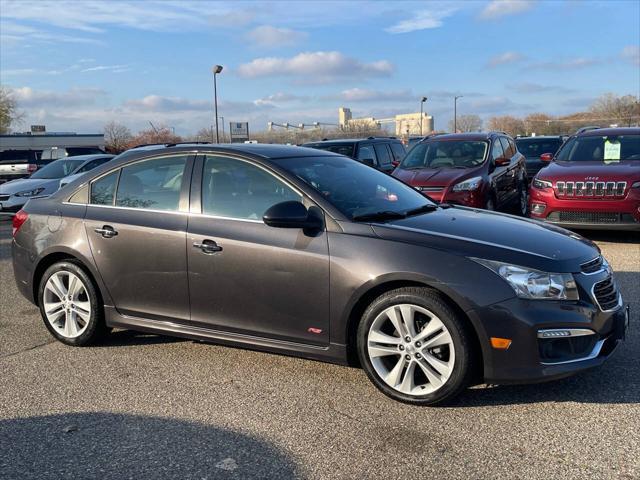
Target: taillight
(18, 220)
(32, 167)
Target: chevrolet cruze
(310, 253)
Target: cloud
(109, 68)
(505, 58)
(568, 64)
(16, 34)
(532, 88)
(26, 97)
(157, 103)
(278, 98)
(493, 105)
(423, 20)
(631, 53)
(365, 95)
(501, 8)
(266, 36)
(316, 66)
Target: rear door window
(398, 151)
(152, 184)
(104, 188)
(367, 151)
(384, 157)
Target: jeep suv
(592, 182)
(383, 153)
(481, 170)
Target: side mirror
(501, 162)
(546, 157)
(369, 161)
(395, 163)
(292, 214)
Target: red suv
(593, 181)
(481, 170)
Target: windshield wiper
(382, 215)
(427, 207)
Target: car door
(136, 223)
(499, 175)
(246, 277)
(384, 157)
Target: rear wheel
(414, 347)
(523, 200)
(70, 305)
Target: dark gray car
(305, 252)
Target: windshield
(353, 188)
(345, 149)
(610, 148)
(446, 154)
(58, 169)
(534, 147)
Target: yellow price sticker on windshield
(611, 151)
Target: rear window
(608, 148)
(19, 156)
(345, 149)
(73, 151)
(534, 147)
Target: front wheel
(523, 200)
(414, 347)
(70, 305)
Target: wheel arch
(374, 291)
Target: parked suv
(383, 153)
(533, 149)
(299, 251)
(592, 182)
(481, 170)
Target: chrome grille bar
(591, 189)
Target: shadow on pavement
(114, 446)
(123, 338)
(611, 236)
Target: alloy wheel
(411, 349)
(66, 304)
(524, 201)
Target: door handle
(208, 246)
(107, 231)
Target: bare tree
(611, 108)
(506, 123)
(8, 110)
(466, 123)
(159, 135)
(542, 124)
(116, 137)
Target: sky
(76, 65)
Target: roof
(85, 158)
(541, 137)
(349, 140)
(258, 149)
(463, 136)
(599, 132)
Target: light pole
(455, 113)
(216, 70)
(424, 99)
(223, 134)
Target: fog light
(500, 343)
(538, 208)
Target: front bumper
(586, 213)
(521, 321)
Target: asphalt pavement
(143, 406)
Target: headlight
(469, 184)
(541, 184)
(534, 284)
(30, 193)
(635, 185)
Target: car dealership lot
(145, 406)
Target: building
(405, 124)
(39, 142)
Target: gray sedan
(47, 180)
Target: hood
(434, 177)
(494, 236)
(23, 184)
(628, 171)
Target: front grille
(588, 217)
(591, 189)
(606, 294)
(592, 266)
(4, 198)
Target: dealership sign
(239, 131)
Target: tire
(79, 320)
(523, 200)
(438, 323)
(490, 204)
